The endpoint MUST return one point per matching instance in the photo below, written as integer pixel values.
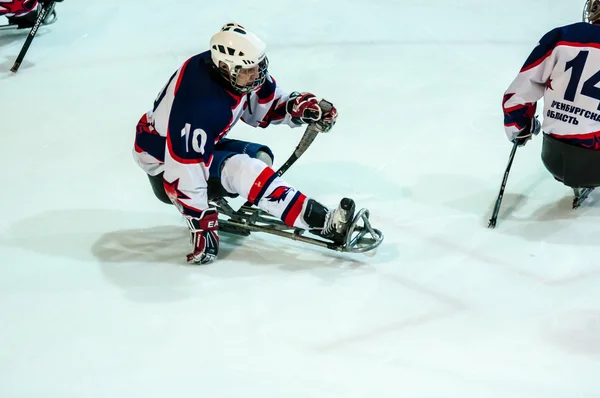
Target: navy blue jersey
(190, 115)
(564, 70)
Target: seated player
(181, 142)
(564, 70)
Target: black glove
(532, 128)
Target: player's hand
(328, 117)
(204, 233)
(303, 108)
(532, 128)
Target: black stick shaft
(309, 136)
(494, 218)
(32, 33)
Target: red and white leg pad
(260, 184)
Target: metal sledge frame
(248, 218)
(50, 18)
(361, 239)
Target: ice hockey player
(181, 142)
(22, 14)
(564, 70)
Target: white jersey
(564, 69)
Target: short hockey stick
(40, 19)
(309, 136)
(492, 223)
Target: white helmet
(239, 49)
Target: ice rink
(96, 299)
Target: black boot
(338, 221)
(330, 224)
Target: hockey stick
(309, 136)
(40, 19)
(492, 223)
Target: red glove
(204, 233)
(304, 108)
(327, 119)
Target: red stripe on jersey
(237, 103)
(536, 63)
(560, 43)
(208, 163)
(268, 99)
(575, 44)
(272, 95)
(180, 76)
(177, 158)
(259, 183)
(515, 108)
(514, 124)
(190, 208)
(585, 136)
(225, 130)
(295, 211)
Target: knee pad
(251, 149)
(239, 172)
(265, 157)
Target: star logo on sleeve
(172, 190)
(549, 84)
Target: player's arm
(272, 105)
(520, 99)
(190, 143)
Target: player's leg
(260, 184)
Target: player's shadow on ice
(8, 37)
(148, 263)
(519, 214)
(16, 37)
(8, 63)
(575, 331)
